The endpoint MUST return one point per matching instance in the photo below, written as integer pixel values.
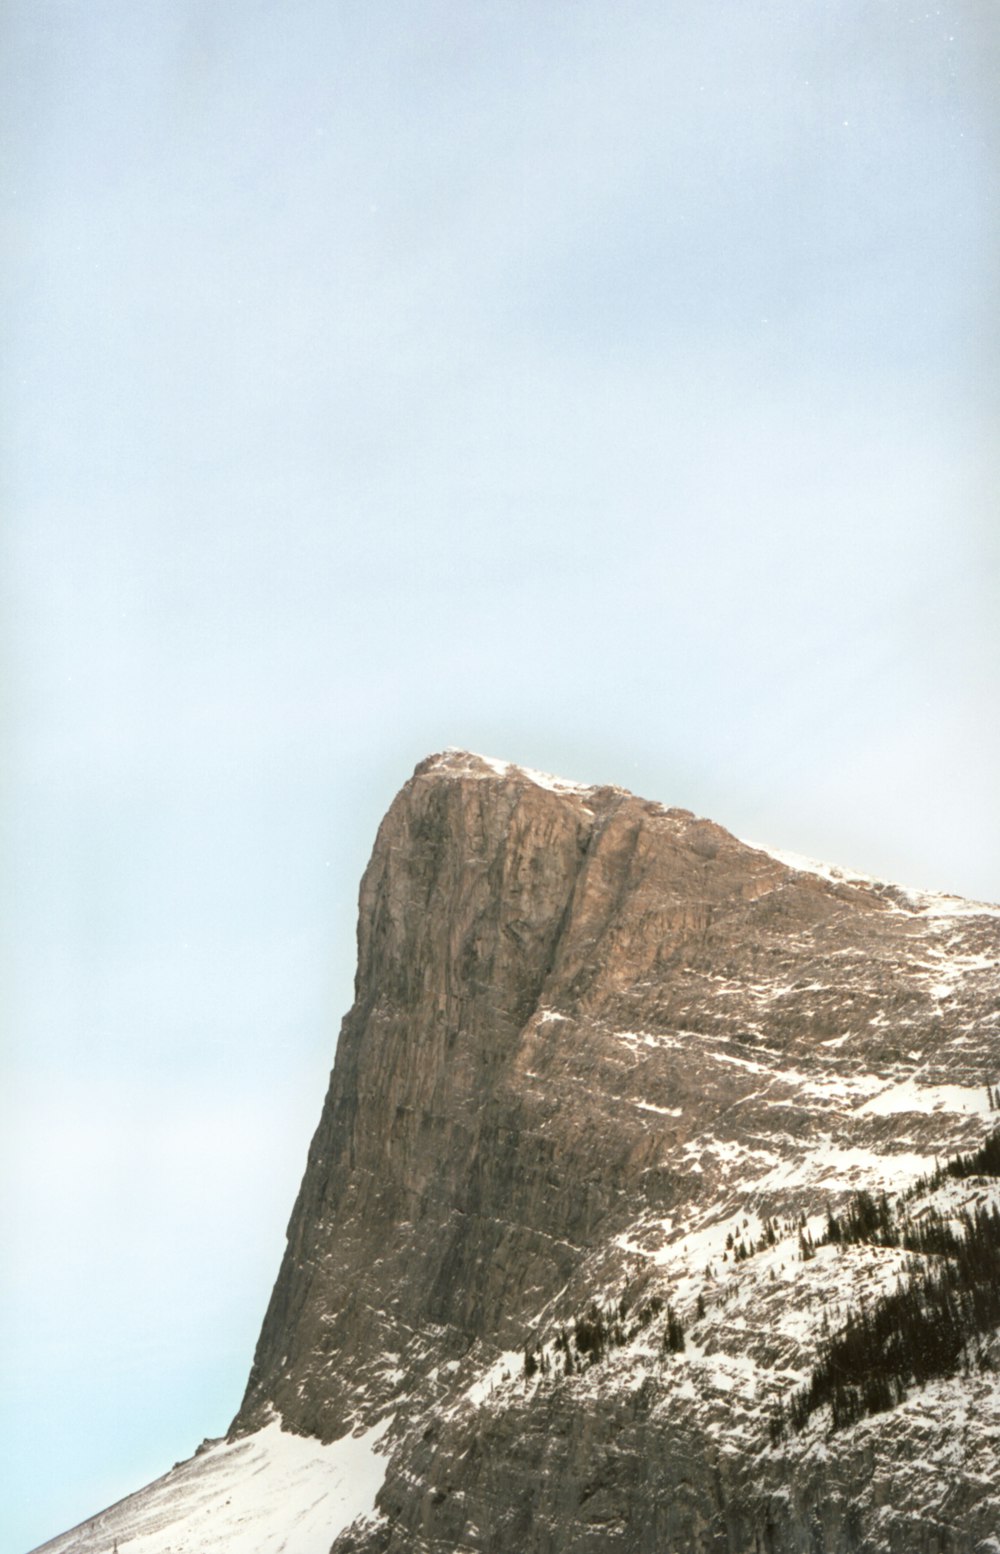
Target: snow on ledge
(269, 1493)
(467, 763)
(923, 903)
(803, 865)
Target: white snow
(852, 1167)
(270, 1493)
(929, 905)
(948, 969)
(834, 1166)
(747, 1063)
(909, 1096)
(637, 1039)
(554, 784)
(506, 1368)
(923, 902)
(803, 865)
(505, 768)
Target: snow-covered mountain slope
(268, 1493)
(607, 1073)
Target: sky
(610, 388)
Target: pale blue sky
(609, 387)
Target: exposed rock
(592, 1038)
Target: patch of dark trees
(932, 1325)
(870, 1220)
(984, 1161)
(743, 1247)
(593, 1335)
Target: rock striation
(606, 1063)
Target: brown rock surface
(584, 1026)
(596, 1044)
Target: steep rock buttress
(408, 1214)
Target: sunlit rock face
(609, 1065)
(592, 1036)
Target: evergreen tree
(674, 1336)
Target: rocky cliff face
(606, 1059)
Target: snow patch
(909, 1096)
(505, 1369)
(495, 767)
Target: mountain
(597, 1193)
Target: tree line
(931, 1325)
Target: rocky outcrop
(606, 1062)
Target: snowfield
(270, 1493)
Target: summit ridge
(456, 762)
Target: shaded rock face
(590, 1036)
(416, 1208)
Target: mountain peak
(608, 1072)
